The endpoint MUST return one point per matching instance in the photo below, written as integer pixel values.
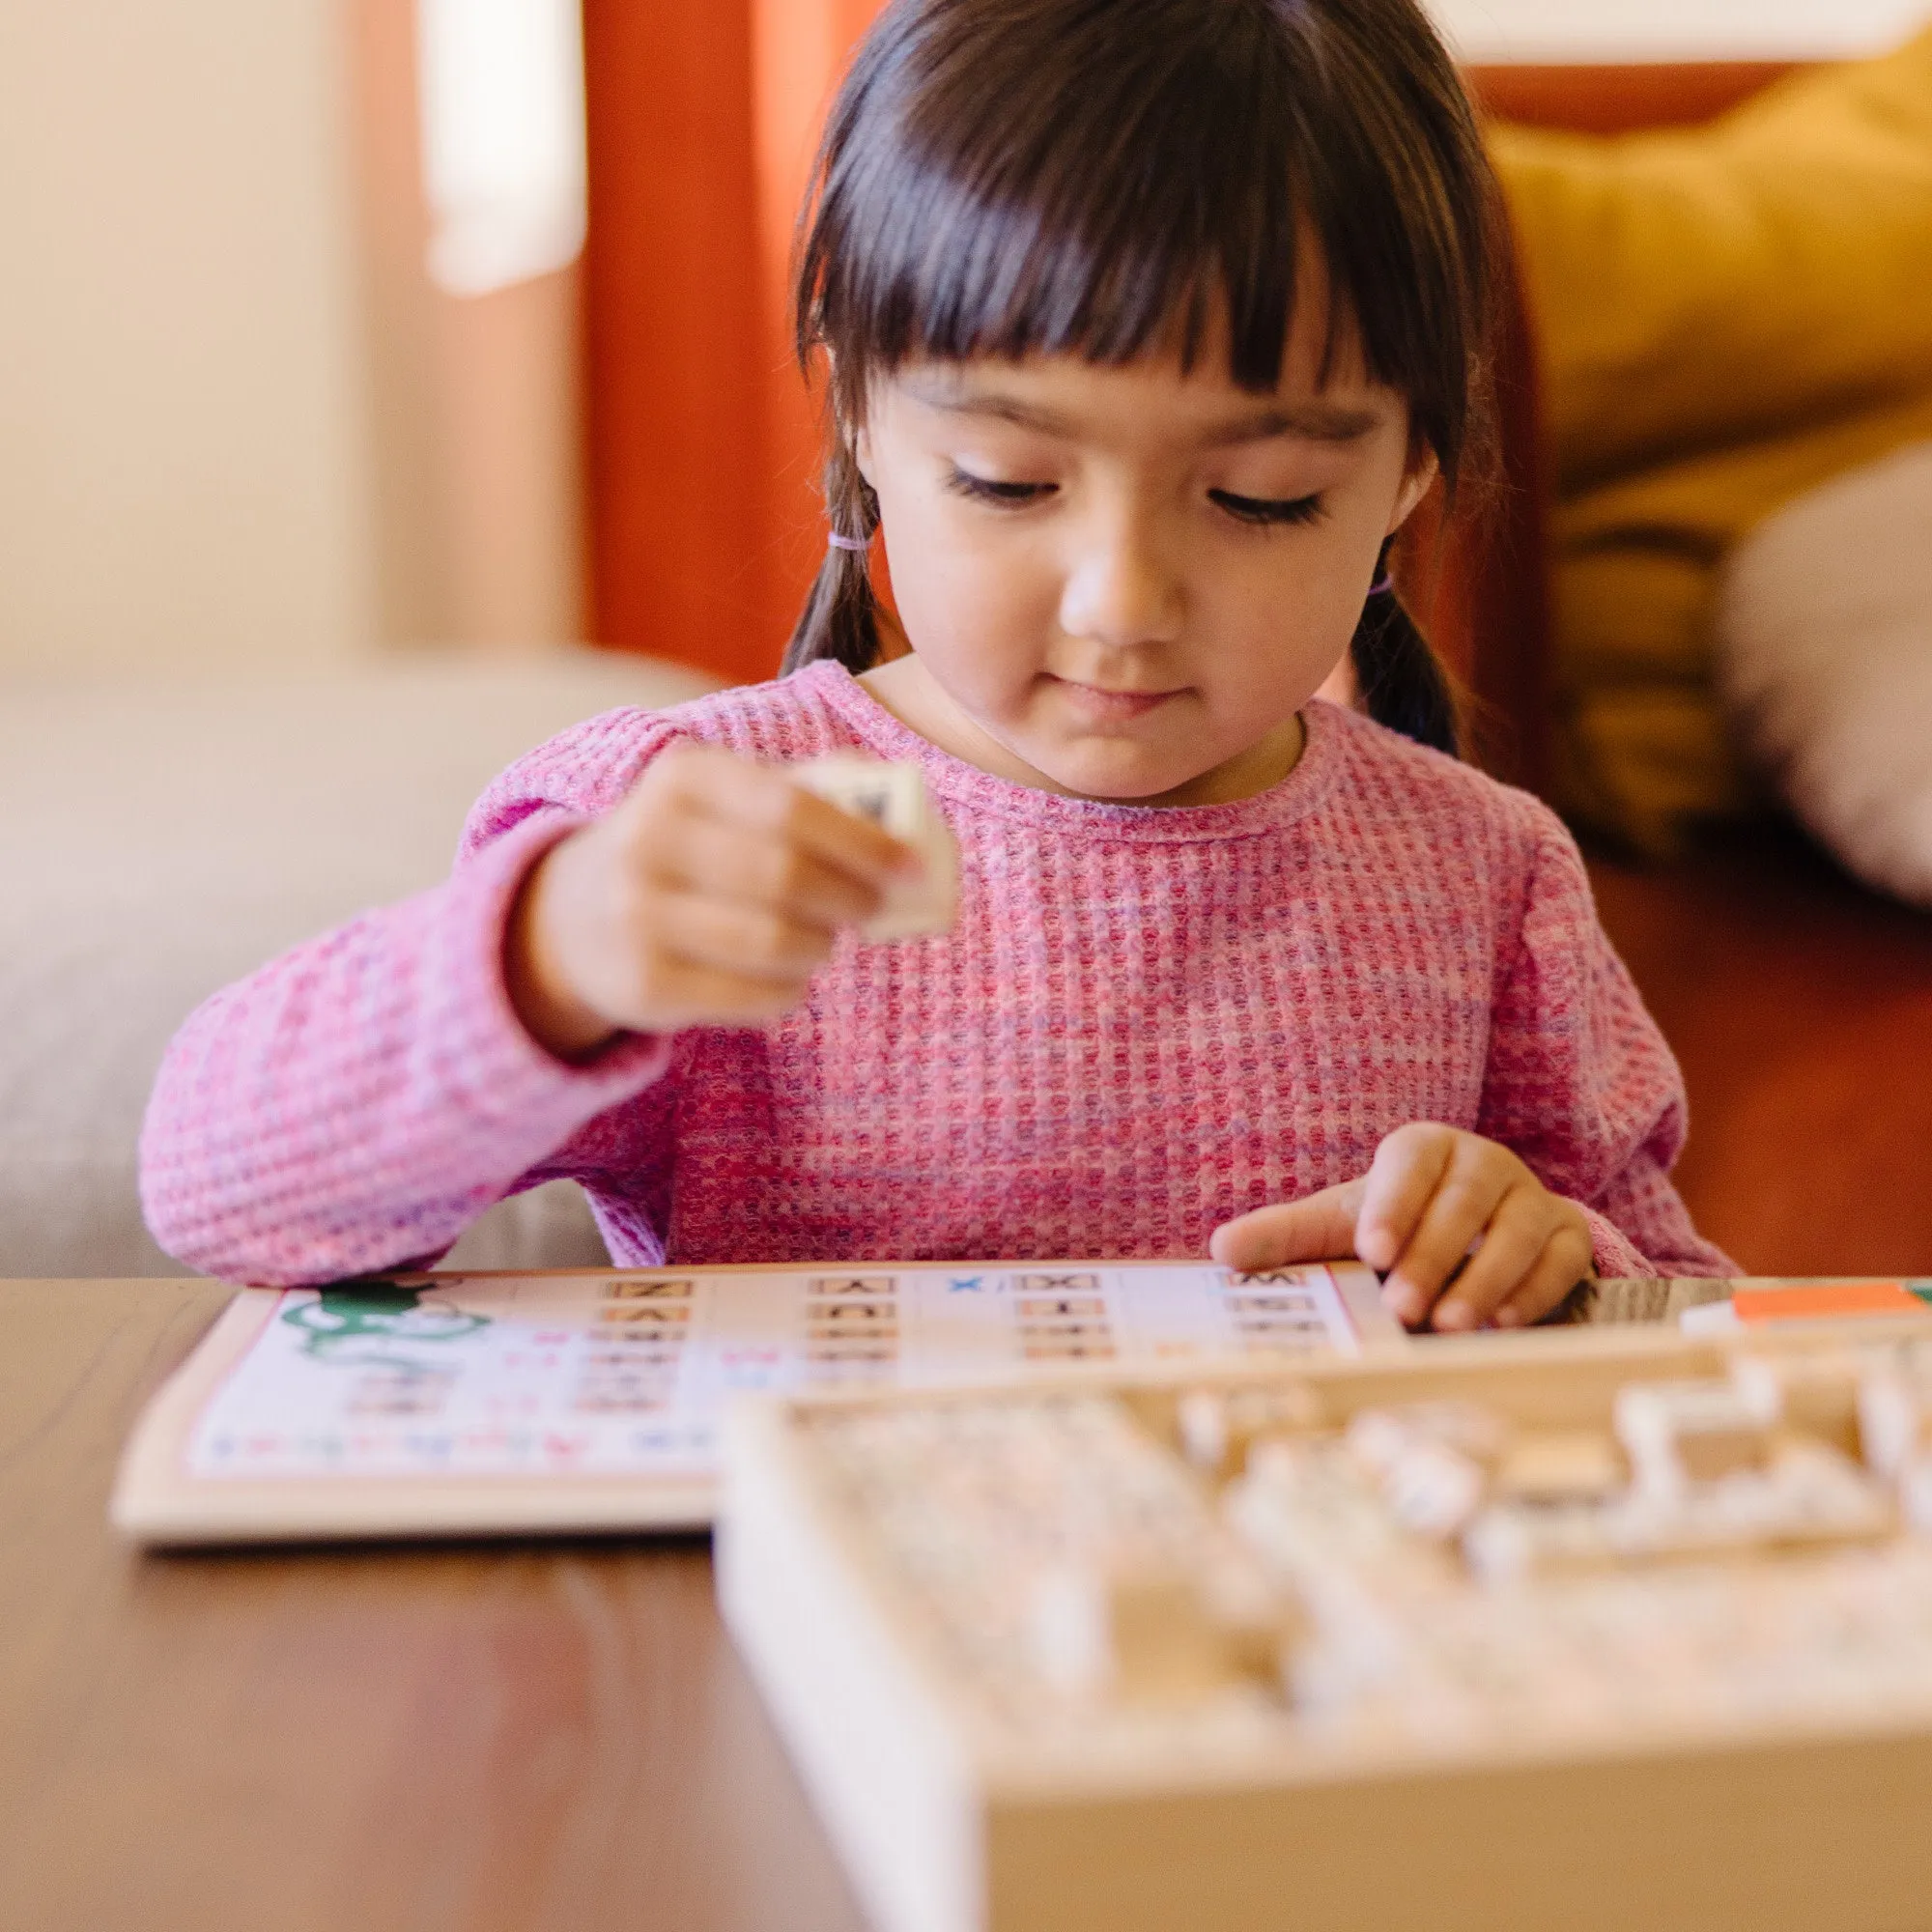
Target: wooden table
(488, 1736)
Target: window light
(502, 138)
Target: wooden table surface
(514, 1735)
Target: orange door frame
(701, 439)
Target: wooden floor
(1800, 1008)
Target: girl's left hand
(1463, 1231)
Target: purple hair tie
(841, 542)
(1382, 586)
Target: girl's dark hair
(1087, 176)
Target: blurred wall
(474, 463)
(238, 425)
(184, 444)
(1685, 30)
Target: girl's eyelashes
(984, 489)
(1267, 509)
(1263, 510)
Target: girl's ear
(1415, 485)
(860, 442)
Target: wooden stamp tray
(1731, 1731)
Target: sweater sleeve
(356, 1103)
(1580, 1083)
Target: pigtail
(840, 618)
(1399, 680)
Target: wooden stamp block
(1568, 1466)
(895, 797)
(1814, 1394)
(1690, 1431)
(1217, 1429)
(1137, 1636)
(1894, 1405)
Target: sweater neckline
(953, 779)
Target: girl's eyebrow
(1308, 422)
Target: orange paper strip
(1825, 1299)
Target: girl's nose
(1118, 593)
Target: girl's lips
(1111, 706)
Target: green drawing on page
(354, 1322)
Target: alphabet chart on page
(626, 1374)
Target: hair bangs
(1008, 213)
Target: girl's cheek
(957, 615)
(1280, 644)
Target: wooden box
(1758, 1759)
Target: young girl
(1148, 322)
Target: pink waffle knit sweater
(1143, 1021)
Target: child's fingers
(1468, 1187)
(1318, 1228)
(683, 994)
(854, 845)
(1566, 1259)
(728, 936)
(718, 859)
(763, 800)
(1516, 1237)
(1408, 1169)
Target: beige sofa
(159, 838)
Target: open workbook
(452, 1405)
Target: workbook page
(628, 1374)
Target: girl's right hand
(709, 898)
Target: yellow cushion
(1726, 317)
